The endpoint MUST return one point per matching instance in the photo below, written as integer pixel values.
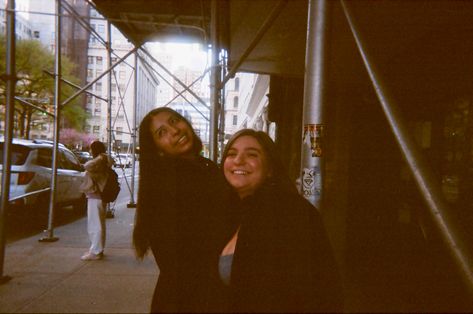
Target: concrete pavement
(51, 278)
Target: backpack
(112, 187)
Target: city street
(21, 224)
(51, 278)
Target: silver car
(31, 171)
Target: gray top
(225, 268)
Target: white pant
(96, 224)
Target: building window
(235, 102)
(89, 99)
(235, 119)
(97, 101)
(98, 73)
(98, 87)
(121, 75)
(99, 60)
(101, 29)
(96, 129)
(90, 60)
(90, 73)
(237, 83)
(36, 34)
(121, 87)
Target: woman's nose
(238, 159)
(174, 129)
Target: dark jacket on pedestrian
(283, 261)
(184, 206)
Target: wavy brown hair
(279, 175)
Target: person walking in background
(279, 259)
(182, 214)
(96, 172)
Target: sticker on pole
(315, 132)
(311, 182)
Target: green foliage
(32, 61)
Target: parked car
(123, 160)
(83, 156)
(31, 171)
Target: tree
(75, 139)
(33, 61)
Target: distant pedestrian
(279, 259)
(181, 214)
(96, 172)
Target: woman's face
(246, 166)
(172, 135)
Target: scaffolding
(312, 154)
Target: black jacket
(283, 261)
(187, 219)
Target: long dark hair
(97, 148)
(152, 162)
(279, 176)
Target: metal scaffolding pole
(214, 82)
(109, 88)
(132, 203)
(108, 46)
(57, 110)
(423, 176)
(10, 80)
(314, 96)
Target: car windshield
(18, 154)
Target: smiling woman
(279, 259)
(182, 214)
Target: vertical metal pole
(214, 82)
(110, 213)
(422, 174)
(10, 80)
(221, 138)
(314, 92)
(133, 134)
(109, 88)
(57, 104)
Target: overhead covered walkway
(374, 113)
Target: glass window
(70, 161)
(45, 157)
(237, 83)
(99, 60)
(90, 60)
(18, 156)
(235, 102)
(96, 129)
(98, 87)
(235, 120)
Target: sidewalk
(51, 278)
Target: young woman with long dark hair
(182, 214)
